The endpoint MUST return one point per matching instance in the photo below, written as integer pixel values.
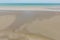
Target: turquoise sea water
(29, 4)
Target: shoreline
(28, 8)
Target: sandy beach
(46, 23)
(31, 8)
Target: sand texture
(29, 25)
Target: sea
(54, 6)
(29, 4)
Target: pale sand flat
(6, 21)
(26, 36)
(36, 24)
(48, 27)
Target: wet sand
(31, 8)
(27, 17)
